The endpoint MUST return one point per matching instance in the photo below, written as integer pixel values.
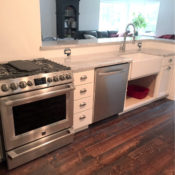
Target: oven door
(30, 116)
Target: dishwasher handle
(111, 72)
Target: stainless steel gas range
(36, 107)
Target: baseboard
(80, 129)
(171, 98)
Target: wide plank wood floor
(141, 142)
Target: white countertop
(82, 63)
(87, 62)
(158, 52)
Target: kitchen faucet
(123, 46)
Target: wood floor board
(140, 142)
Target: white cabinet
(172, 85)
(83, 99)
(83, 104)
(85, 77)
(165, 76)
(82, 119)
(0, 150)
(83, 91)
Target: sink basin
(143, 64)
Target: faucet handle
(67, 51)
(139, 45)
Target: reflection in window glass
(116, 14)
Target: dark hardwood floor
(140, 142)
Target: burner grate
(8, 71)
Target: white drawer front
(82, 119)
(168, 61)
(83, 91)
(84, 77)
(83, 104)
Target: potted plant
(139, 22)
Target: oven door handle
(49, 94)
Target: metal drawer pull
(83, 104)
(170, 60)
(84, 77)
(82, 117)
(83, 91)
(169, 68)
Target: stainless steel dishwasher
(110, 89)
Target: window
(116, 14)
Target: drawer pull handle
(169, 68)
(82, 117)
(84, 77)
(170, 60)
(83, 91)
(83, 104)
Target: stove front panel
(29, 83)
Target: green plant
(139, 21)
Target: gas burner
(49, 66)
(3, 71)
(45, 66)
(23, 75)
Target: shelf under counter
(147, 82)
(131, 103)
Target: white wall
(166, 18)
(48, 18)
(20, 34)
(89, 14)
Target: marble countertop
(156, 52)
(87, 62)
(159, 52)
(83, 63)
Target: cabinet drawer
(168, 61)
(84, 77)
(82, 104)
(82, 119)
(83, 91)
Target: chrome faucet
(123, 46)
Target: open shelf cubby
(148, 82)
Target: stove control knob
(4, 88)
(68, 76)
(55, 79)
(13, 86)
(49, 80)
(29, 83)
(62, 77)
(22, 84)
